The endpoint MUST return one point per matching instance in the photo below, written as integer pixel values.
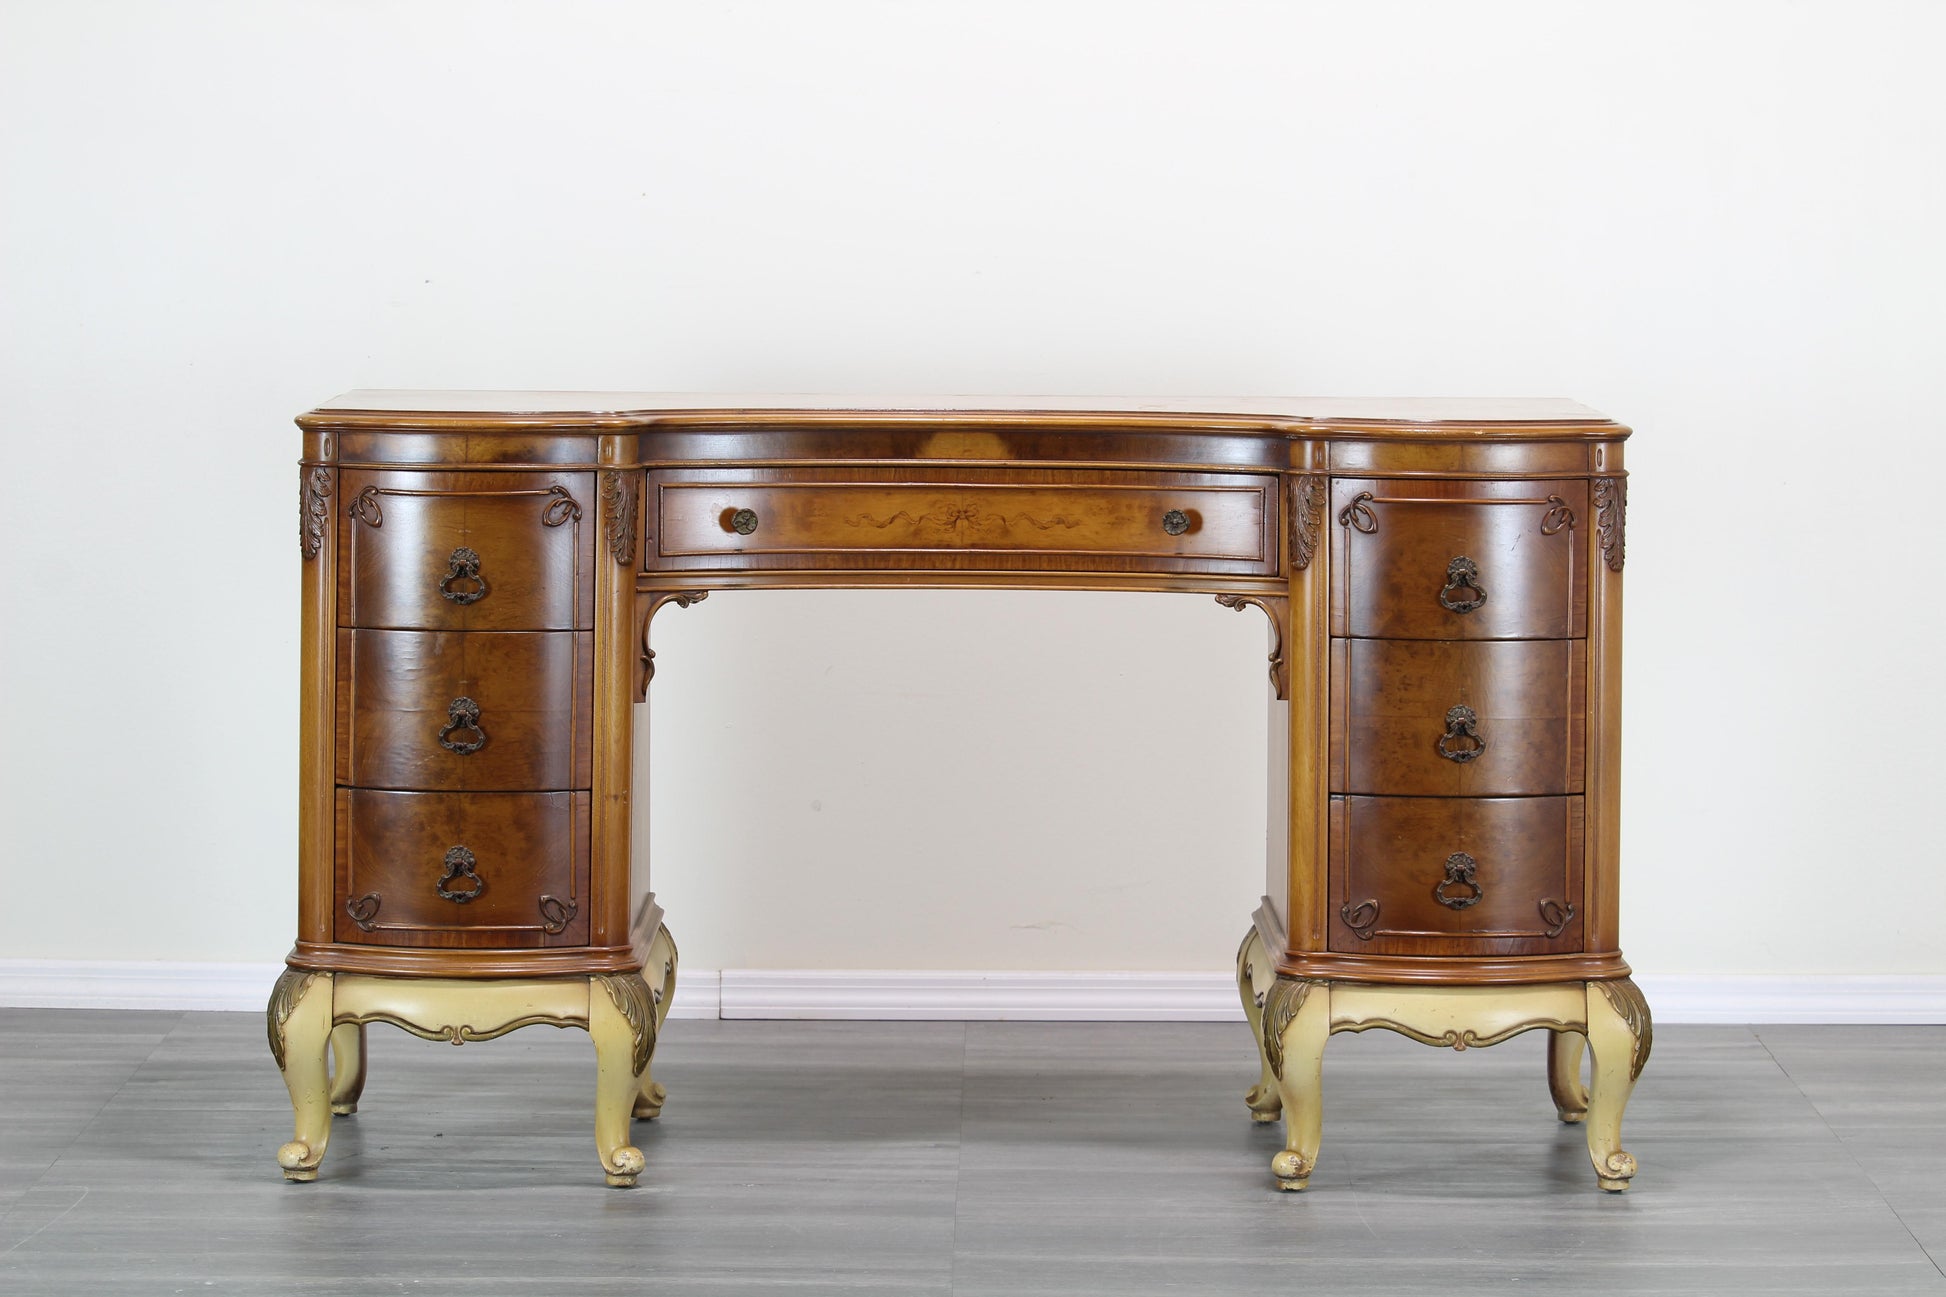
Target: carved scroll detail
(313, 505)
(361, 910)
(1611, 510)
(680, 598)
(1361, 918)
(364, 507)
(1627, 1000)
(1558, 517)
(556, 913)
(1308, 495)
(1281, 1003)
(632, 997)
(1556, 915)
(1280, 680)
(561, 507)
(1358, 515)
(618, 493)
(290, 988)
(1461, 1038)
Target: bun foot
(299, 1163)
(1571, 1118)
(648, 1104)
(1619, 1169)
(624, 1164)
(344, 1109)
(1292, 1170)
(1264, 1102)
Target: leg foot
(1262, 1098)
(1296, 1024)
(299, 1022)
(1620, 1034)
(347, 1067)
(621, 1019)
(1564, 1075)
(660, 973)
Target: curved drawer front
(454, 710)
(1481, 718)
(479, 870)
(1459, 560)
(467, 551)
(1456, 876)
(1056, 520)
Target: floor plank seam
(959, 1164)
(1870, 1179)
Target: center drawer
(1047, 520)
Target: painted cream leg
(621, 1018)
(299, 1022)
(347, 1067)
(1619, 1037)
(1564, 1074)
(660, 972)
(1296, 1024)
(1262, 1099)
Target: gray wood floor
(136, 1156)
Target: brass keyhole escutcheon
(1462, 574)
(1461, 871)
(459, 869)
(462, 716)
(1462, 742)
(464, 565)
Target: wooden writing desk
(481, 572)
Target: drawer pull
(1175, 522)
(1361, 918)
(556, 914)
(464, 565)
(1462, 723)
(361, 910)
(743, 521)
(462, 714)
(459, 869)
(1462, 574)
(1358, 514)
(1556, 915)
(1460, 872)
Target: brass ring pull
(1175, 522)
(1460, 872)
(464, 565)
(1462, 574)
(462, 714)
(1462, 723)
(556, 914)
(459, 869)
(743, 521)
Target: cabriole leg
(1619, 1037)
(1564, 1074)
(1262, 1099)
(347, 1067)
(1296, 1024)
(299, 1022)
(621, 1019)
(660, 972)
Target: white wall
(1719, 222)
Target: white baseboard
(969, 996)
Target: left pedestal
(316, 1023)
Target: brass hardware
(556, 913)
(459, 868)
(1175, 522)
(1361, 918)
(743, 521)
(1358, 514)
(462, 714)
(1558, 516)
(561, 507)
(364, 507)
(1462, 723)
(1556, 915)
(363, 909)
(1462, 574)
(464, 565)
(1460, 872)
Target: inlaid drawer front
(1459, 560)
(478, 870)
(1473, 718)
(453, 710)
(1052, 519)
(1456, 876)
(467, 551)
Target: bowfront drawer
(458, 710)
(1478, 718)
(478, 870)
(1459, 560)
(1456, 876)
(467, 551)
(1042, 519)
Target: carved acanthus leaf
(1309, 492)
(1611, 516)
(1628, 1001)
(618, 494)
(313, 507)
(290, 988)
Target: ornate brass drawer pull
(1556, 915)
(464, 565)
(556, 914)
(1462, 574)
(1462, 723)
(743, 522)
(1175, 522)
(1358, 515)
(1361, 918)
(1461, 870)
(361, 910)
(462, 714)
(459, 869)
